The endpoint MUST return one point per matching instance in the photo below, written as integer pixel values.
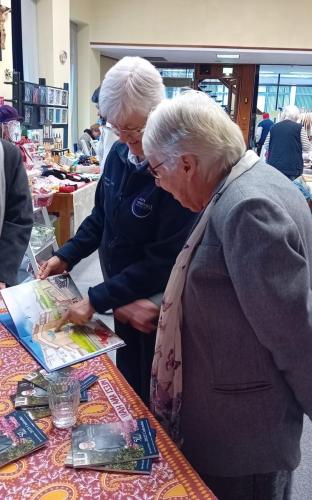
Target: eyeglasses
(130, 131)
(152, 170)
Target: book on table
(42, 378)
(142, 466)
(127, 447)
(29, 395)
(19, 436)
(35, 307)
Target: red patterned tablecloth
(42, 475)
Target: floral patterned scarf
(166, 380)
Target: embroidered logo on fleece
(140, 208)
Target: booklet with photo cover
(29, 395)
(19, 436)
(41, 378)
(37, 412)
(143, 466)
(36, 308)
(112, 443)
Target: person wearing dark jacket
(286, 142)
(137, 227)
(16, 213)
(89, 135)
(262, 131)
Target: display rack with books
(38, 103)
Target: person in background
(89, 134)
(16, 213)
(301, 184)
(286, 142)
(262, 131)
(232, 371)
(138, 228)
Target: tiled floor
(302, 485)
(88, 273)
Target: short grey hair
(192, 123)
(290, 113)
(132, 85)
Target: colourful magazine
(36, 308)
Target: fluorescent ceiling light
(296, 75)
(227, 56)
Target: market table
(42, 475)
(77, 205)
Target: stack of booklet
(127, 446)
(31, 394)
(19, 436)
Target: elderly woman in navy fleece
(137, 227)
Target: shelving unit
(33, 102)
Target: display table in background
(72, 209)
(42, 475)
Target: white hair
(132, 85)
(290, 113)
(192, 123)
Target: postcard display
(38, 103)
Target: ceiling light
(228, 56)
(227, 71)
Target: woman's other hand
(54, 265)
(141, 314)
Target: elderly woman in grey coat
(232, 371)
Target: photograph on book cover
(36, 308)
(114, 442)
(50, 95)
(64, 98)
(36, 94)
(28, 92)
(43, 94)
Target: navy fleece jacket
(138, 230)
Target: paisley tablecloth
(42, 475)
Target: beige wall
(88, 78)
(53, 34)
(106, 64)
(81, 11)
(89, 62)
(7, 61)
(246, 23)
(61, 39)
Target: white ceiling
(206, 55)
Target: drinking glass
(64, 398)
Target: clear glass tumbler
(64, 398)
